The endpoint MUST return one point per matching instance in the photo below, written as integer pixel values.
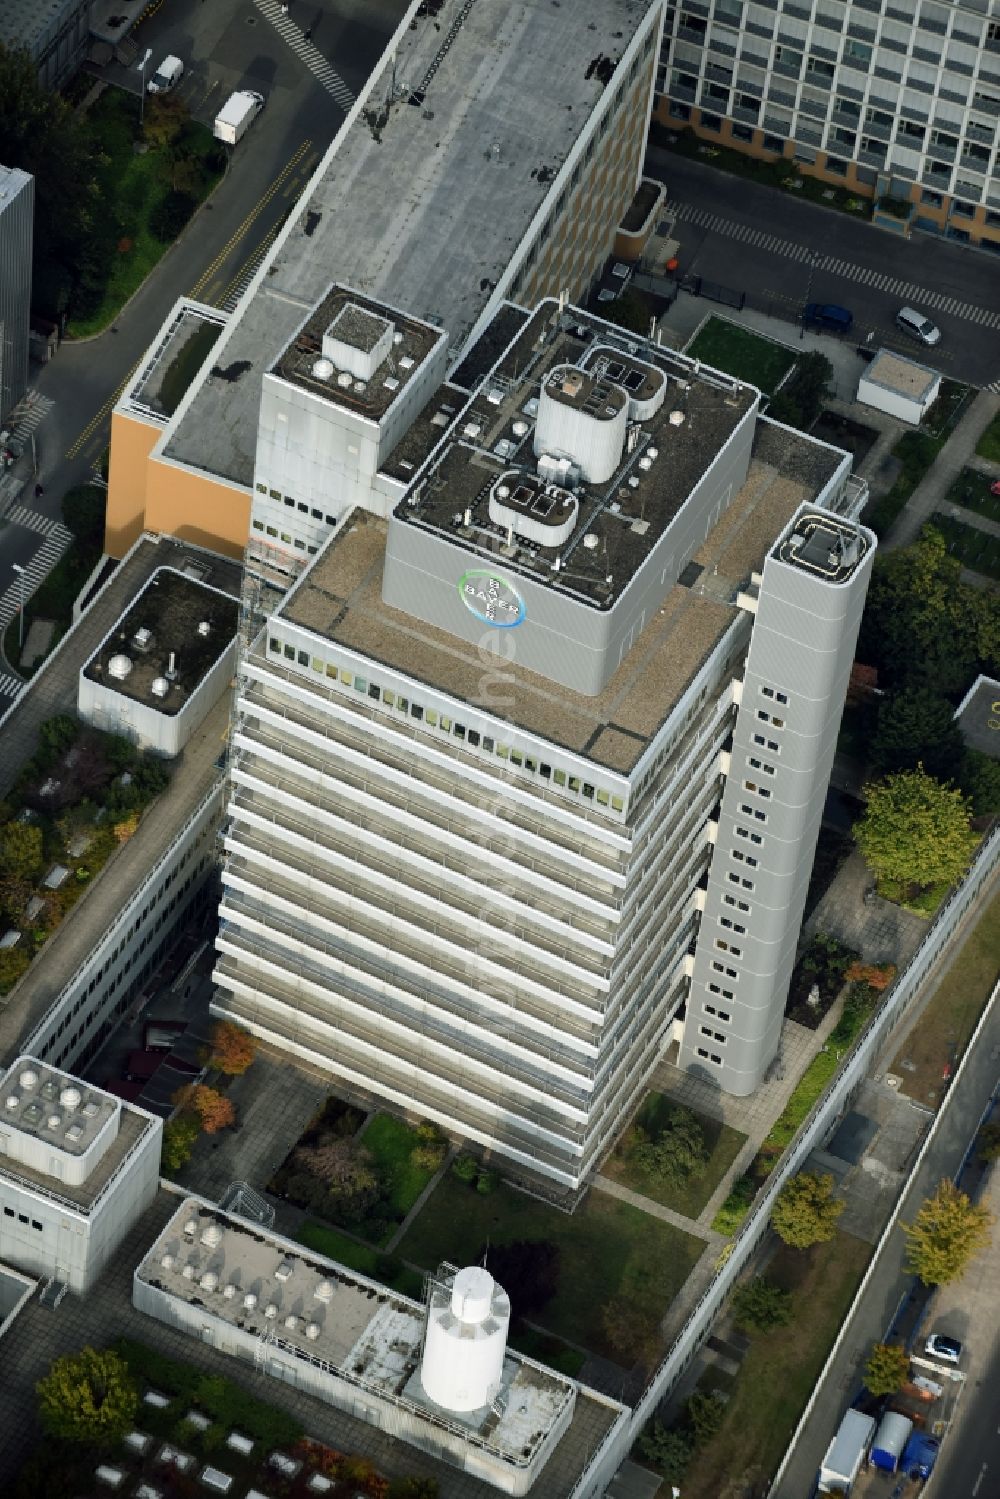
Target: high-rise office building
(17, 218)
(891, 98)
(534, 756)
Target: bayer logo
(491, 598)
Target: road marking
(234, 239)
(40, 524)
(105, 411)
(907, 291)
(238, 285)
(10, 686)
(310, 55)
(978, 1483)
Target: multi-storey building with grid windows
(485, 748)
(892, 98)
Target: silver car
(917, 326)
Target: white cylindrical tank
(465, 1341)
(582, 419)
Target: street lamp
(141, 68)
(814, 259)
(16, 566)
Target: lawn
(739, 352)
(971, 490)
(141, 181)
(185, 365)
(951, 1014)
(988, 445)
(974, 548)
(780, 1369)
(386, 1268)
(724, 1145)
(607, 1249)
(392, 1143)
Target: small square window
(275, 494)
(445, 724)
(559, 776)
(258, 525)
(303, 507)
(389, 698)
(430, 717)
(261, 489)
(460, 734)
(417, 712)
(272, 531)
(273, 644)
(331, 520)
(303, 658)
(289, 501)
(473, 738)
(488, 745)
(286, 537)
(290, 652)
(316, 514)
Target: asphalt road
(225, 44)
(753, 239)
(885, 1301)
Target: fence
(812, 1132)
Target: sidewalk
(957, 452)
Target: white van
(167, 76)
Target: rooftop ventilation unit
(204, 628)
(591, 541)
(211, 1236)
(520, 429)
(159, 687)
(119, 667)
(70, 1098)
(28, 1079)
(142, 639)
(74, 1134)
(677, 418)
(344, 379)
(323, 369)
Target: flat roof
(904, 376)
(47, 1104)
(586, 365)
(133, 1125)
(347, 317)
(165, 644)
(320, 1310)
(978, 716)
(405, 205)
(182, 345)
(824, 546)
(340, 599)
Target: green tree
(806, 1210)
(887, 1369)
(677, 1154)
(20, 850)
(916, 726)
(14, 962)
(979, 777)
(87, 1397)
(465, 1167)
(914, 831)
(57, 735)
(800, 400)
(704, 1414)
(760, 1305)
(988, 1142)
(179, 1136)
(948, 1231)
(667, 1449)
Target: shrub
(988, 1142)
(667, 1449)
(487, 1182)
(465, 1167)
(179, 1136)
(760, 1305)
(14, 962)
(704, 1414)
(736, 1206)
(169, 216)
(678, 1153)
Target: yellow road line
(105, 411)
(238, 234)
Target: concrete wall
(196, 507)
(132, 441)
(163, 733)
(797, 672)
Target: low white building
(163, 666)
(439, 1377)
(899, 386)
(77, 1168)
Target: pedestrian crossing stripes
(246, 275)
(9, 686)
(22, 516)
(35, 573)
(907, 291)
(304, 49)
(994, 386)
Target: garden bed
(739, 352)
(689, 1197)
(971, 490)
(988, 446)
(915, 452)
(608, 1252)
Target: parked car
(947, 1350)
(917, 326)
(828, 315)
(167, 76)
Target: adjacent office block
(17, 216)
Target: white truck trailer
(237, 115)
(846, 1453)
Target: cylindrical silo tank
(465, 1341)
(583, 418)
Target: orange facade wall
(197, 508)
(132, 441)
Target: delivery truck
(890, 1439)
(237, 115)
(846, 1453)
